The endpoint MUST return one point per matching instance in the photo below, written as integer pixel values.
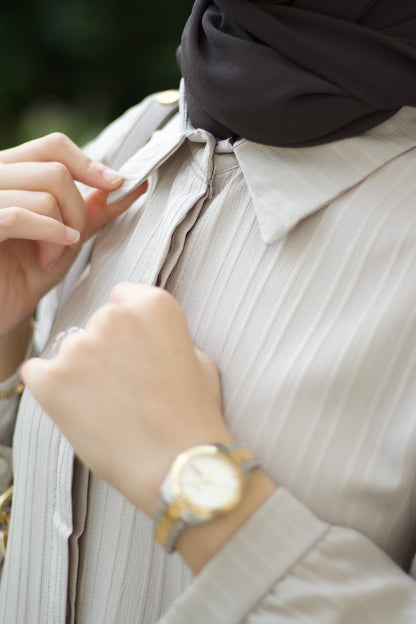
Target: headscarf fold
(298, 72)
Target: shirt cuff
(251, 562)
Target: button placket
(178, 236)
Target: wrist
(197, 545)
(13, 348)
(208, 493)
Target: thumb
(99, 213)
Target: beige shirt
(296, 269)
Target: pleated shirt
(296, 269)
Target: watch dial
(210, 482)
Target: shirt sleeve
(286, 565)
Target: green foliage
(73, 65)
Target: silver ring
(61, 336)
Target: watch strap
(240, 455)
(167, 527)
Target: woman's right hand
(43, 222)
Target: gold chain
(5, 512)
(7, 394)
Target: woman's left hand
(131, 392)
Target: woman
(281, 222)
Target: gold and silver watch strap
(240, 455)
(169, 521)
(169, 524)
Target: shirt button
(4, 467)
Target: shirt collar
(288, 184)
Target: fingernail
(109, 175)
(71, 235)
(112, 176)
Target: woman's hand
(132, 391)
(42, 215)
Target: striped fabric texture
(296, 269)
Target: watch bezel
(193, 513)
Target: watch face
(210, 482)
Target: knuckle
(69, 349)
(166, 310)
(57, 141)
(58, 173)
(108, 318)
(113, 315)
(158, 305)
(45, 203)
(11, 218)
(120, 320)
(117, 291)
(142, 301)
(162, 300)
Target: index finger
(57, 147)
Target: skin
(43, 224)
(162, 401)
(159, 403)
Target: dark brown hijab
(298, 72)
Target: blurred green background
(75, 65)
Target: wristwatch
(203, 483)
